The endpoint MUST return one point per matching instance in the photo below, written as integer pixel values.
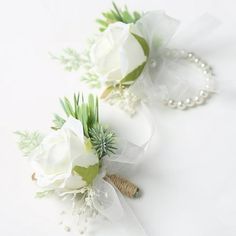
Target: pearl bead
(203, 65)
(190, 55)
(171, 103)
(181, 105)
(198, 100)
(189, 102)
(206, 90)
(203, 93)
(207, 87)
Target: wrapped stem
(126, 187)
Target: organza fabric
(170, 77)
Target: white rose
(59, 153)
(117, 52)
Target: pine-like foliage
(70, 58)
(75, 61)
(118, 15)
(103, 141)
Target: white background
(189, 173)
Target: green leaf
(102, 29)
(127, 17)
(85, 111)
(69, 107)
(143, 43)
(132, 76)
(102, 22)
(84, 117)
(87, 173)
(111, 17)
(107, 91)
(64, 108)
(58, 122)
(117, 15)
(117, 11)
(137, 15)
(76, 101)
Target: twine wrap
(33, 177)
(123, 185)
(126, 187)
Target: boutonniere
(83, 161)
(131, 60)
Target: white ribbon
(107, 200)
(162, 76)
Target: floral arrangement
(130, 56)
(80, 159)
(130, 61)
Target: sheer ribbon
(108, 201)
(162, 77)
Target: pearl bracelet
(204, 93)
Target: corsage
(84, 162)
(137, 57)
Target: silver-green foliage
(69, 58)
(28, 141)
(103, 141)
(74, 61)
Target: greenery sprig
(102, 139)
(72, 60)
(85, 111)
(28, 141)
(118, 15)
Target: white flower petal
(86, 160)
(75, 126)
(74, 182)
(131, 55)
(53, 161)
(117, 52)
